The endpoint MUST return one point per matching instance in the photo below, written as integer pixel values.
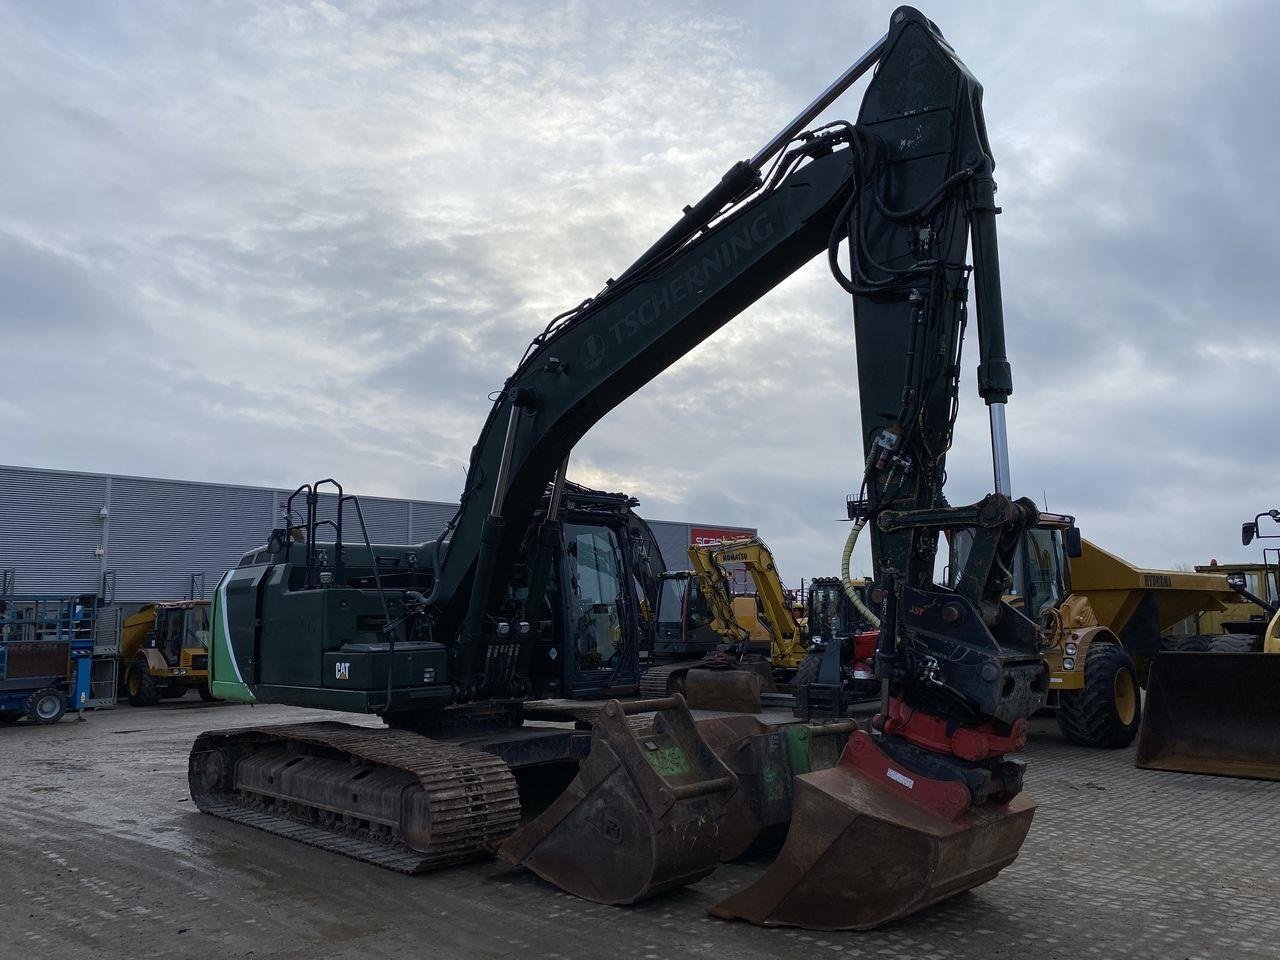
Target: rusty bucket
(1216, 713)
(864, 849)
(733, 690)
(642, 815)
(766, 758)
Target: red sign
(705, 536)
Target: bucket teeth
(862, 851)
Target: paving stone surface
(103, 856)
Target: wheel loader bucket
(1216, 713)
(642, 815)
(862, 850)
(733, 690)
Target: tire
(807, 672)
(205, 693)
(141, 685)
(46, 706)
(1233, 643)
(1107, 711)
(1185, 643)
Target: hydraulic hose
(846, 580)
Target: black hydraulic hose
(377, 582)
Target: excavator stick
(1215, 713)
(642, 816)
(870, 843)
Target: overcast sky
(264, 243)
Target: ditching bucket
(1216, 713)
(732, 690)
(642, 815)
(865, 849)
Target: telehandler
(436, 638)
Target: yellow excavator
(1217, 711)
(769, 614)
(720, 651)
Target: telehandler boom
(436, 638)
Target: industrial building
(132, 539)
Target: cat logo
(342, 670)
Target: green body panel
(224, 674)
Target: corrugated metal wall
(156, 534)
(49, 529)
(162, 532)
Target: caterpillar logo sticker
(342, 670)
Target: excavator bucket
(1215, 713)
(870, 843)
(766, 758)
(733, 690)
(642, 815)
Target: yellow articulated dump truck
(164, 651)
(1104, 622)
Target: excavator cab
(684, 617)
(599, 597)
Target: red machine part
(948, 798)
(942, 736)
(864, 654)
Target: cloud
(262, 243)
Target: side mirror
(1072, 543)
(1248, 531)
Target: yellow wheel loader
(164, 652)
(1218, 711)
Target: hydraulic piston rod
(999, 448)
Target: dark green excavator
(439, 639)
